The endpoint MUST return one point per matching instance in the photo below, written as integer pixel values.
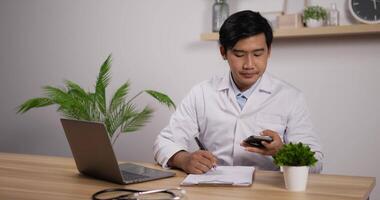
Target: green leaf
(69, 105)
(82, 98)
(315, 12)
(119, 97)
(136, 121)
(76, 91)
(162, 98)
(34, 103)
(117, 117)
(102, 83)
(94, 112)
(58, 96)
(295, 155)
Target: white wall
(155, 44)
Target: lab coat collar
(260, 95)
(225, 83)
(265, 85)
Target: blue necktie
(241, 99)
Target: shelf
(358, 29)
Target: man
(226, 110)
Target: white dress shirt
(211, 111)
(241, 97)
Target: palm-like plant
(119, 116)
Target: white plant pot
(313, 23)
(295, 177)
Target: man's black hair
(242, 25)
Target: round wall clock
(365, 11)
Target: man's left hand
(270, 148)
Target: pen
(202, 147)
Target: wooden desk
(45, 177)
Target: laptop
(94, 155)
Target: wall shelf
(326, 31)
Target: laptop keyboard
(129, 176)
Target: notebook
(94, 155)
(223, 175)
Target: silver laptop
(94, 155)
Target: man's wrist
(177, 159)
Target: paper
(224, 175)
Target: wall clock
(365, 11)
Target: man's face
(247, 60)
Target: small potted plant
(314, 16)
(295, 160)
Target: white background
(156, 45)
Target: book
(222, 175)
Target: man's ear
(223, 52)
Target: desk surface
(46, 177)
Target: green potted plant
(314, 16)
(119, 114)
(295, 160)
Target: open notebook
(222, 175)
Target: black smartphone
(255, 140)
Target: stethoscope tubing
(133, 194)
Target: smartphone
(255, 140)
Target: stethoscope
(138, 194)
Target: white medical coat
(211, 112)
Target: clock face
(366, 11)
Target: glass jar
(220, 12)
(333, 16)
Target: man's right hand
(197, 162)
